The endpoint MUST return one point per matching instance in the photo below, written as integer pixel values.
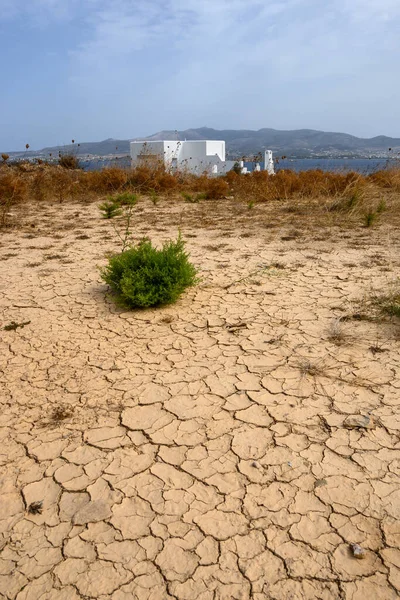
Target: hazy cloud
(135, 67)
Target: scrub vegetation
(308, 198)
(144, 276)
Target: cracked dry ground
(197, 451)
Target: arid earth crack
(226, 447)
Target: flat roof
(173, 141)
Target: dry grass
(388, 303)
(337, 333)
(13, 189)
(309, 198)
(311, 368)
(69, 161)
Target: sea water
(364, 166)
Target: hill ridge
(295, 143)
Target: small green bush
(143, 276)
(124, 199)
(389, 302)
(201, 196)
(154, 197)
(110, 209)
(381, 207)
(394, 308)
(370, 218)
(190, 198)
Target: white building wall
(201, 155)
(193, 150)
(162, 150)
(216, 147)
(195, 156)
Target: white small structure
(269, 162)
(193, 156)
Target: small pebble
(256, 465)
(358, 422)
(357, 551)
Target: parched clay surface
(226, 447)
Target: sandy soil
(231, 446)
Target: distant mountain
(300, 142)
(296, 143)
(109, 146)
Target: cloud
(120, 28)
(365, 10)
(38, 12)
(142, 65)
(211, 56)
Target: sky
(94, 69)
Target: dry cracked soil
(231, 446)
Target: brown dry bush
(319, 196)
(13, 189)
(389, 179)
(217, 188)
(40, 185)
(110, 179)
(166, 182)
(231, 177)
(253, 186)
(145, 178)
(141, 178)
(68, 161)
(49, 182)
(156, 178)
(196, 183)
(287, 184)
(62, 183)
(213, 188)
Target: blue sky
(93, 69)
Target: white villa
(194, 156)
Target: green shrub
(370, 218)
(190, 198)
(381, 207)
(110, 209)
(154, 197)
(124, 199)
(201, 196)
(388, 302)
(393, 309)
(143, 276)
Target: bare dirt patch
(242, 443)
